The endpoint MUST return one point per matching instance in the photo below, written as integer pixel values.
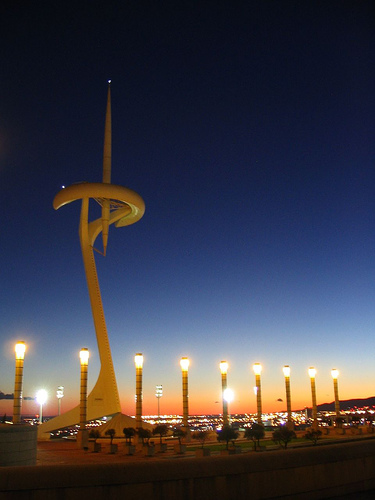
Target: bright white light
(228, 395)
(312, 372)
(62, 187)
(109, 81)
(138, 359)
(41, 396)
(257, 367)
(224, 367)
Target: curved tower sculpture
(120, 206)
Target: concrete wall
(18, 444)
(309, 473)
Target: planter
(149, 451)
(161, 447)
(113, 448)
(180, 448)
(95, 447)
(18, 445)
(202, 452)
(129, 449)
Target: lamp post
(224, 372)
(82, 438)
(59, 395)
(20, 349)
(286, 370)
(335, 375)
(257, 367)
(159, 394)
(184, 363)
(228, 398)
(41, 397)
(312, 373)
(138, 359)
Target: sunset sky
(248, 129)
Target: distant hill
(348, 404)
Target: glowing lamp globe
(138, 360)
(184, 363)
(335, 373)
(20, 349)
(312, 372)
(286, 370)
(84, 356)
(224, 367)
(257, 367)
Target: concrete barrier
(18, 444)
(311, 473)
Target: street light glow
(20, 349)
(224, 367)
(84, 356)
(184, 363)
(41, 396)
(138, 359)
(257, 367)
(312, 372)
(286, 370)
(228, 395)
(334, 373)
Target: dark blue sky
(248, 129)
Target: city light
(223, 367)
(20, 350)
(41, 398)
(138, 360)
(184, 363)
(84, 356)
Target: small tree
(179, 434)
(129, 433)
(160, 430)
(227, 434)
(283, 436)
(144, 434)
(200, 435)
(111, 433)
(313, 436)
(255, 433)
(94, 434)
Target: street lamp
(159, 394)
(228, 397)
(138, 359)
(286, 370)
(59, 395)
(184, 363)
(20, 349)
(224, 371)
(41, 397)
(257, 367)
(312, 373)
(335, 375)
(82, 435)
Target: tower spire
(107, 159)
